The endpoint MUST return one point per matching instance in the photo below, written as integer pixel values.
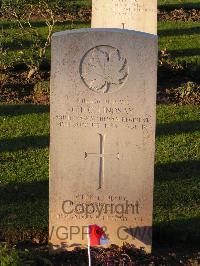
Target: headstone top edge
(111, 30)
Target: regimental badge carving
(104, 69)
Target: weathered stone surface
(139, 15)
(103, 93)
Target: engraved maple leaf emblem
(104, 69)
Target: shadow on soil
(185, 52)
(177, 128)
(24, 211)
(175, 32)
(177, 233)
(38, 24)
(178, 170)
(24, 143)
(179, 5)
(18, 44)
(22, 109)
(14, 192)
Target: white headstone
(139, 15)
(103, 102)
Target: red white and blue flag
(96, 237)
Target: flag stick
(89, 254)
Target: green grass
(24, 139)
(81, 3)
(24, 165)
(180, 38)
(177, 184)
(15, 43)
(172, 4)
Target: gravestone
(103, 101)
(139, 15)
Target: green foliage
(9, 257)
(31, 45)
(21, 13)
(43, 86)
(15, 8)
(188, 89)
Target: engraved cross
(101, 155)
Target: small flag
(97, 236)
